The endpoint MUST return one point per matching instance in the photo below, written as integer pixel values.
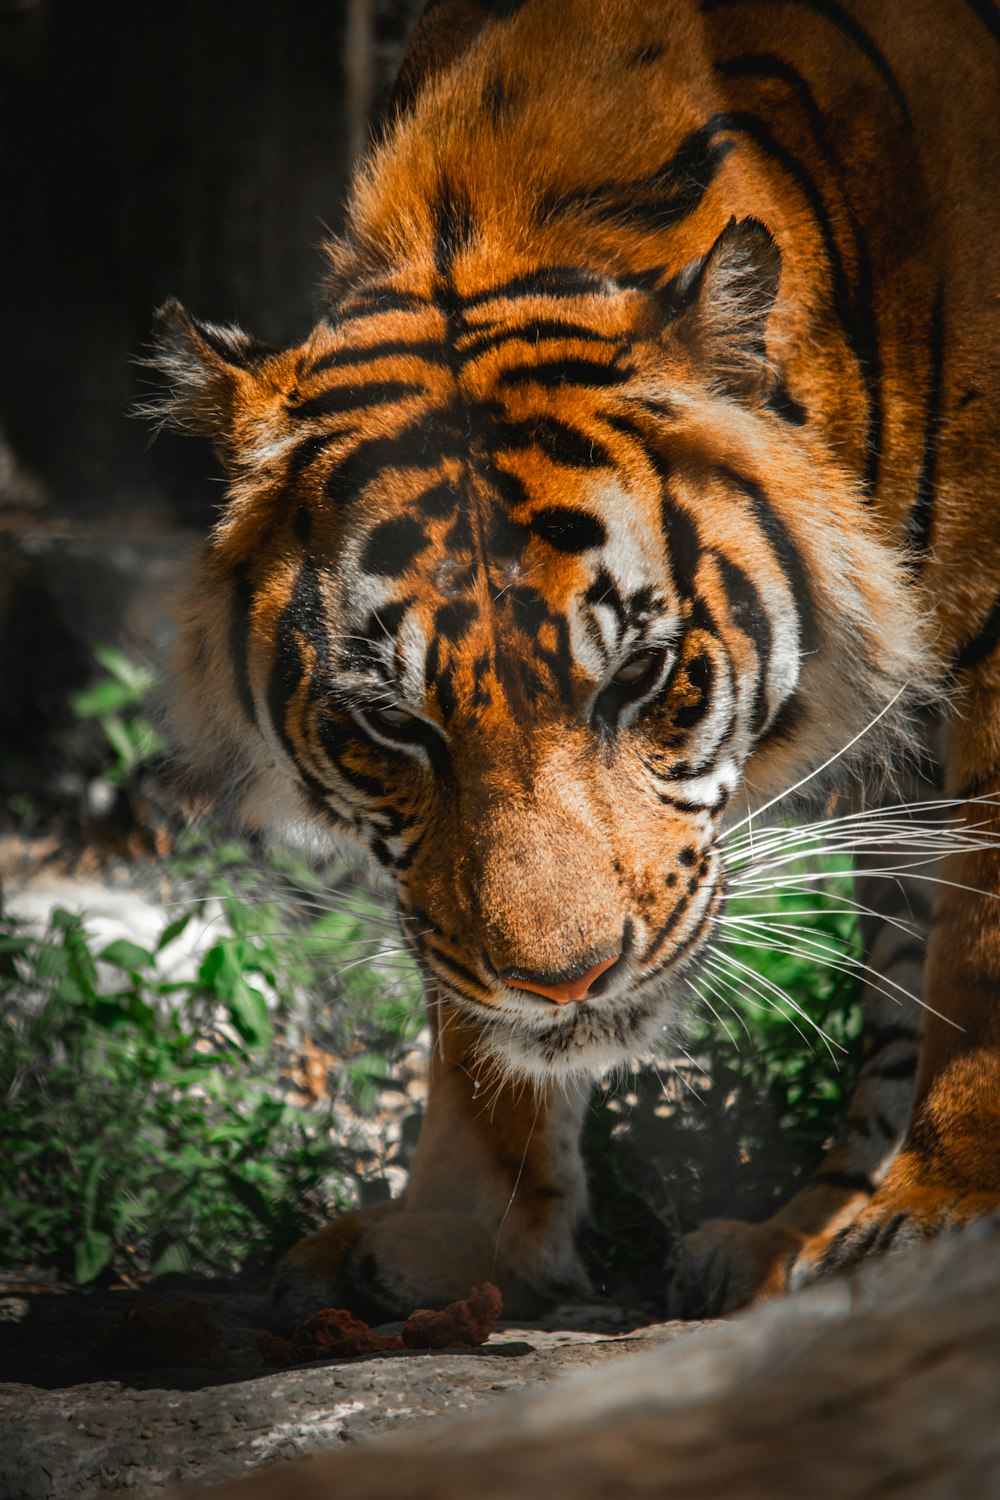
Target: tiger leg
(729, 1263)
(496, 1193)
(947, 1171)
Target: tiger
(643, 466)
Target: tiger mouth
(590, 1036)
(622, 1019)
(587, 1038)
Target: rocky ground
(78, 1418)
(885, 1384)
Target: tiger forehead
(470, 316)
(453, 636)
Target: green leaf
(126, 955)
(172, 1259)
(93, 1253)
(172, 930)
(12, 942)
(62, 920)
(138, 679)
(51, 961)
(101, 700)
(120, 740)
(91, 1185)
(145, 739)
(248, 1010)
(252, 1198)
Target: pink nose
(562, 991)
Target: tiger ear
(211, 372)
(724, 301)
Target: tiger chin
(642, 467)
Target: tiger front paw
(897, 1218)
(382, 1262)
(727, 1264)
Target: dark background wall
(148, 148)
(197, 148)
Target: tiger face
(512, 605)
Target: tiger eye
(394, 716)
(637, 668)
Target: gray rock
(86, 1439)
(887, 1383)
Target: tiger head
(527, 581)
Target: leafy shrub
(143, 1121)
(114, 701)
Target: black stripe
(383, 854)
(988, 13)
(786, 722)
(304, 452)
(770, 65)
(406, 449)
(453, 227)
(680, 530)
(767, 65)
(656, 203)
(694, 937)
(845, 23)
(457, 969)
(302, 616)
(497, 100)
(683, 542)
(393, 546)
(337, 737)
(341, 398)
(560, 441)
(582, 372)
(851, 1182)
(239, 628)
(784, 405)
(418, 733)
(920, 521)
(982, 644)
(500, 10)
(881, 1037)
(547, 281)
(786, 555)
(682, 804)
(533, 332)
(666, 928)
(439, 501)
(908, 953)
(747, 612)
(889, 1231)
(379, 299)
(339, 359)
(856, 314)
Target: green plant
(143, 1127)
(115, 702)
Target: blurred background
(194, 149)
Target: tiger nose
(558, 987)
